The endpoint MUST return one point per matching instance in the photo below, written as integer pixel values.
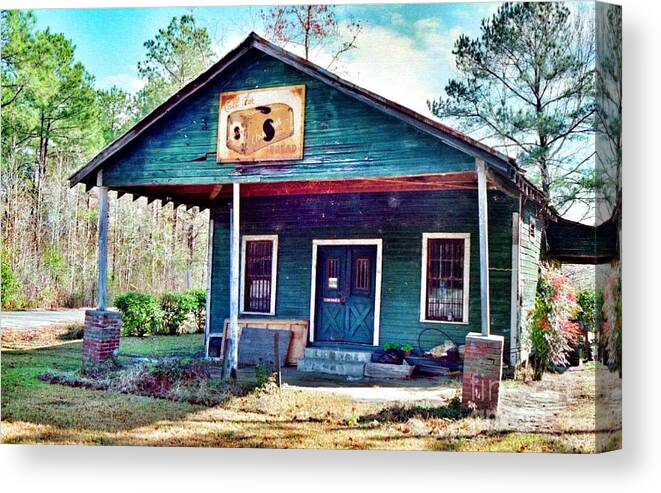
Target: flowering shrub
(611, 328)
(551, 329)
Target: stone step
(332, 366)
(339, 355)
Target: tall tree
(118, 112)
(17, 53)
(313, 27)
(526, 84)
(53, 121)
(174, 57)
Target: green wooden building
(335, 207)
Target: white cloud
(406, 68)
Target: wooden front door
(346, 279)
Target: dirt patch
(559, 403)
(52, 335)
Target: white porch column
(233, 355)
(480, 167)
(103, 247)
(207, 305)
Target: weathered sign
(261, 124)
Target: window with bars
(362, 274)
(332, 272)
(259, 273)
(445, 278)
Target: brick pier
(483, 368)
(101, 335)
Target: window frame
(274, 273)
(423, 276)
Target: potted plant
(392, 353)
(408, 349)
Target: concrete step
(338, 355)
(332, 366)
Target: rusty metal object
(255, 128)
(261, 125)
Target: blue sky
(404, 51)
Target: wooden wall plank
(399, 218)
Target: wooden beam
(234, 280)
(215, 191)
(483, 213)
(103, 244)
(449, 181)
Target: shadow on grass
(72, 332)
(454, 410)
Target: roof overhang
(501, 164)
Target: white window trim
(274, 272)
(423, 276)
(377, 293)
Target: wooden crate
(298, 328)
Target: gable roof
(502, 164)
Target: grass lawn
(37, 412)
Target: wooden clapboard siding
(344, 138)
(399, 218)
(529, 263)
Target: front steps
(335, 361)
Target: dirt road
(32, 319)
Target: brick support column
(483, 368)
(101, 335)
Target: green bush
(141, 313)
(199, 312)
(590, 303)
(176, 308)
(10, 284)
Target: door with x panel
(346, 278)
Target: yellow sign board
(261, 124)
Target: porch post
(207, 305)
(484, 244)
(234, 281)
(102, 327)
(103, 248)
(483, 354)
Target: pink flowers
(551, 328)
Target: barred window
(259, 268)
(445, 277)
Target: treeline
(53, 121)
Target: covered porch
(310, 220)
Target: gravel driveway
(32, 319)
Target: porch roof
(570, 242)
(503, 167)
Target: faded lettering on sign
(261, 124)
